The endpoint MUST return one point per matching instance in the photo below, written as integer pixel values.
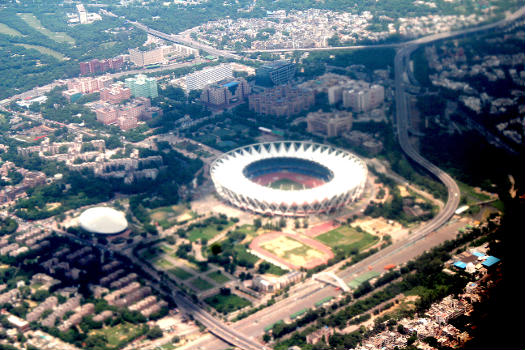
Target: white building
(82, 14)
(207, 76)
(363, 100)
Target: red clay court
(307, 181)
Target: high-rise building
(275, 73)
(365, 99)
(207, 76)
(82, 14)
(329, 124)
(225, 92)
(101, 66)
(142, 86)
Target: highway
(179, 39)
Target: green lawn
(226, 303)
(162, 264)
(171, 215)
(286, 184)
(150, 253)
(242, 254)
(166, 249)
(59, 37)
(180, 273)
(117, 334)
(218, 277)
(471, 195)
(207, 232)
(45, 51)
(356, 282)
(248, 230)
(276, 270)
(5, 29)
(347, 238)
(201, 284)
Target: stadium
(289, 178)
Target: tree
(154, 333)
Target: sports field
(59, 37)
(347, 238)
(292, 251)
(283, 180)
(287, 185)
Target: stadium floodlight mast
(344, 184)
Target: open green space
(248, 230)
(267, 328)
(119, 334)
(108, 44)
(242, 254)
(162, 264)
(286, 184)
(181, 273)
(201, 284)
(276, 270)
(32, 21)
(5, 29)
(348, 239)
(171, 215)
(166, 249)
(322, 301)
(207, 232)
(44, 50)
(150, 253)
(218, 277)
(470, 194)
(356, 282)
(226, 303)
(298, 313)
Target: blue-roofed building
(478, 254)
(460, 265)
(225, 92)
(491, 260)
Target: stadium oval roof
(103, 220)
(349, 176)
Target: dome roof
(103, 220)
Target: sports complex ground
(285, 180)
(312, 249)
(292, 250)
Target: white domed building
(103, 221)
